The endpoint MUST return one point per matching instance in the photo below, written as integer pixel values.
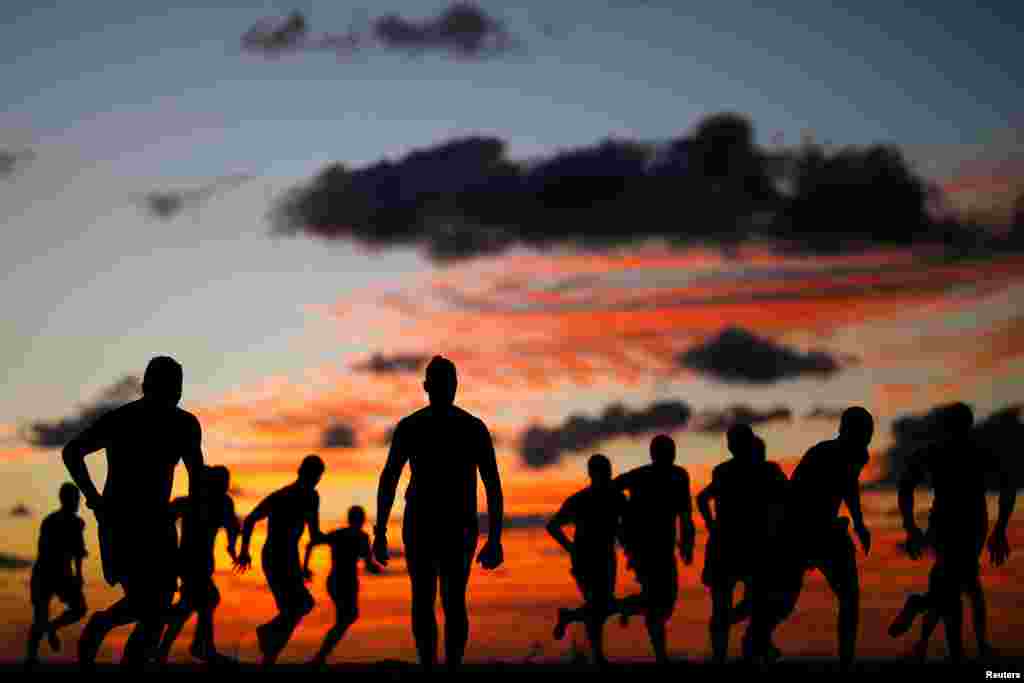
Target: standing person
(748, 494)
(814, 536)
(445, 447)
(58, 572)
(144, 440)
(288, 512)
(596, 512)
(199, 593)
(348, 545)
(659, 502)
(958, 526)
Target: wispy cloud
(168, 204)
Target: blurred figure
(58, 572)
(288, 512)
(958, 525)
(813, 536)
(144, 440)
(445, 447)
(659, 495)
(199, 593)
(596, 512)
(748, 494)
(348, 545)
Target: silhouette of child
(58, 571)
(348, 545)
(198, 591)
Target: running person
(348, 545)
(58, 572)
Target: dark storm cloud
(167, 204)
(712, 422)
(12, 161)
(466, 197)
(463, 29)
(398, 363)
(339, 435)
(13, 563)
(44, 434)
(1001, 433)
(540, 447)
(738, 356)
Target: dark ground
(892, 669)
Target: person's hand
(491, 556)
(244, 562)
(998, 546)
(307, 575)
(865, 537)
(915, 543)
(380, 548)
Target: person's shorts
(66, 588)
(287, 584)
(595, 578)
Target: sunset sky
(293, 345)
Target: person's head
(740, 439)
(310, 471)
(959, 419)
(856, 426)
(69, 497)
(356, 517)
(441, 381)
(218, 480)
(663, 450)
(163, 380)
(600, 470)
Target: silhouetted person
(445, 447)
(58, 572)
(659, 495)
(348, 545)
(596, 512)
(144, 440)
(199, 593)
(957, 529)
(813, 536)
(749, 494)
(288, 512)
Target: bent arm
(704, 504)
(561, 519)
(911, 479)
(92, 439)
(259, 512)
(193, 459)
(688, 532)
(1007, 498)
(313, 520)
(231, 527)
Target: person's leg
(721, 602)
(455, 569)
(346, 612)
(151, 597)
(662, 590)
(176, 620)
(40, 620)
(203, 645)
(121, 613)
(840, 569)
(423, 575)
(979, 615)
(74, 599)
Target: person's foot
(562, 625)
(772, 652)
(920, 653)
(905, 619)
(986, 651)
(53, 640)
(217, 660)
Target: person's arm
(852, 499)
(998, 543)
(397, 457)
(313, 519)
(91, 439)
(309, 552)
(259, 512)
(231, 527)
(491, 556)
(688, 533)
(704, 504)
(80, 553)
(565, 516)
(177, 508)
(367, 556)
(913, 476)
(193, 459)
